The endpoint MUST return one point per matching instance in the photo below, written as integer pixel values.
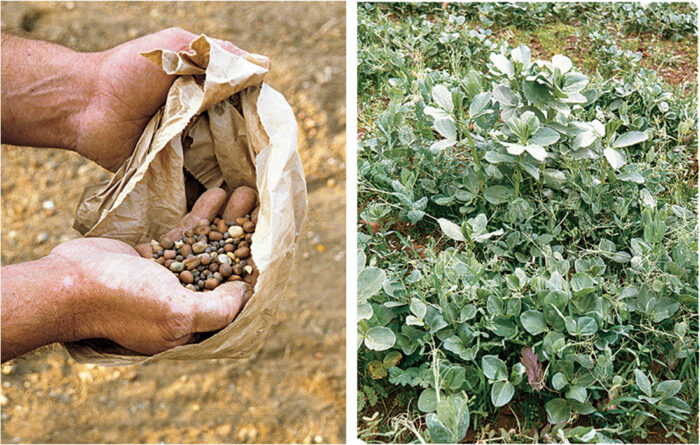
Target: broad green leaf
(577, 393)
(574, 83)
(369, 282)
(533, 322)
(631, 176)
(455, 344)
(437, 113)
(535, 93)
(554, 179)
(446, 128)
(669, 388)
(498, 194)
(450, 423)
(505, 96)
(451, 230)
(643, 382)
(559, 381)
(443, 97)
(364, 311)
(438, 432)
(479, 103)
(418, 308)
(501, 392)
(584, 139)
(427, 402)
(582, 284)
(630, 138)
(615, 157)
(545, 136)
(495, 157)
(536, 152)
(514, 149)
(392, 359)
(494, 368)
(442, 144)
(379, 338)
(587, 326)
(502, 64)
(563, 63)
(664, 309)
(558, 411)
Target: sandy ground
(293, 390)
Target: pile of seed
(210, 254)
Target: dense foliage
(529, 235)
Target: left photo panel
(173, 222)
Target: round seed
(186, 277)
(169, 254)
(235, 231)
(242, 252)
(177, 266)
(249, 227)
(211, 283)
(166, 242)
(225, 270)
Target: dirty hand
(102, 288)
(96, 104)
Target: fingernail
(244, 289)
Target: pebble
(49, 207)
(42, 237)
(224, 259)
(199, 247)
(235, 231)
(177, 266)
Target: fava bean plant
(528, 235)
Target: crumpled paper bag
(227, 128)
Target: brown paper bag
(227, 128)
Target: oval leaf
(379, 338)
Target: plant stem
(473, 150)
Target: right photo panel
(527, 224)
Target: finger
(207, 207)
(216, 309)
(241, 203)
(144, 250)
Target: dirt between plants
(293, 390)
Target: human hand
(138, 303)
(127, 90)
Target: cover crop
(559, 265)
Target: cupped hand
(127, 90)
(140, 304)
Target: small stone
(169, 254)
(242, 252)
(178, 244)
(42, 237)
(177, 267)
(186, 277)
(225, 270)
(211, 283)
(248, 269)
(235, 231)
(199, 247)
(166, 242)
(223, 259)
(249, 227)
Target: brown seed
(225, 270)
(185, 250)
(242, 252)
(249, 227)
(234, 278)
(206, 259)
(215, 236)
(249, 237)
(169, 254)
(229, 248)
(221, 226)
(242, 220)
(192, 262)
(213, 267)
(190, 240)
(243, 244)
(211, 283)
(238, 269)
(202, 230)
(168, 263)
(186, 277)
(216, 220)
(166, 242)
(160, 261)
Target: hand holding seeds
(208, 250)
(101, 288)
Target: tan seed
(211, 283)
(186, 277)
(242, 252)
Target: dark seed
(166, 242)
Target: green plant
(536, 241)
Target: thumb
(216, 309)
